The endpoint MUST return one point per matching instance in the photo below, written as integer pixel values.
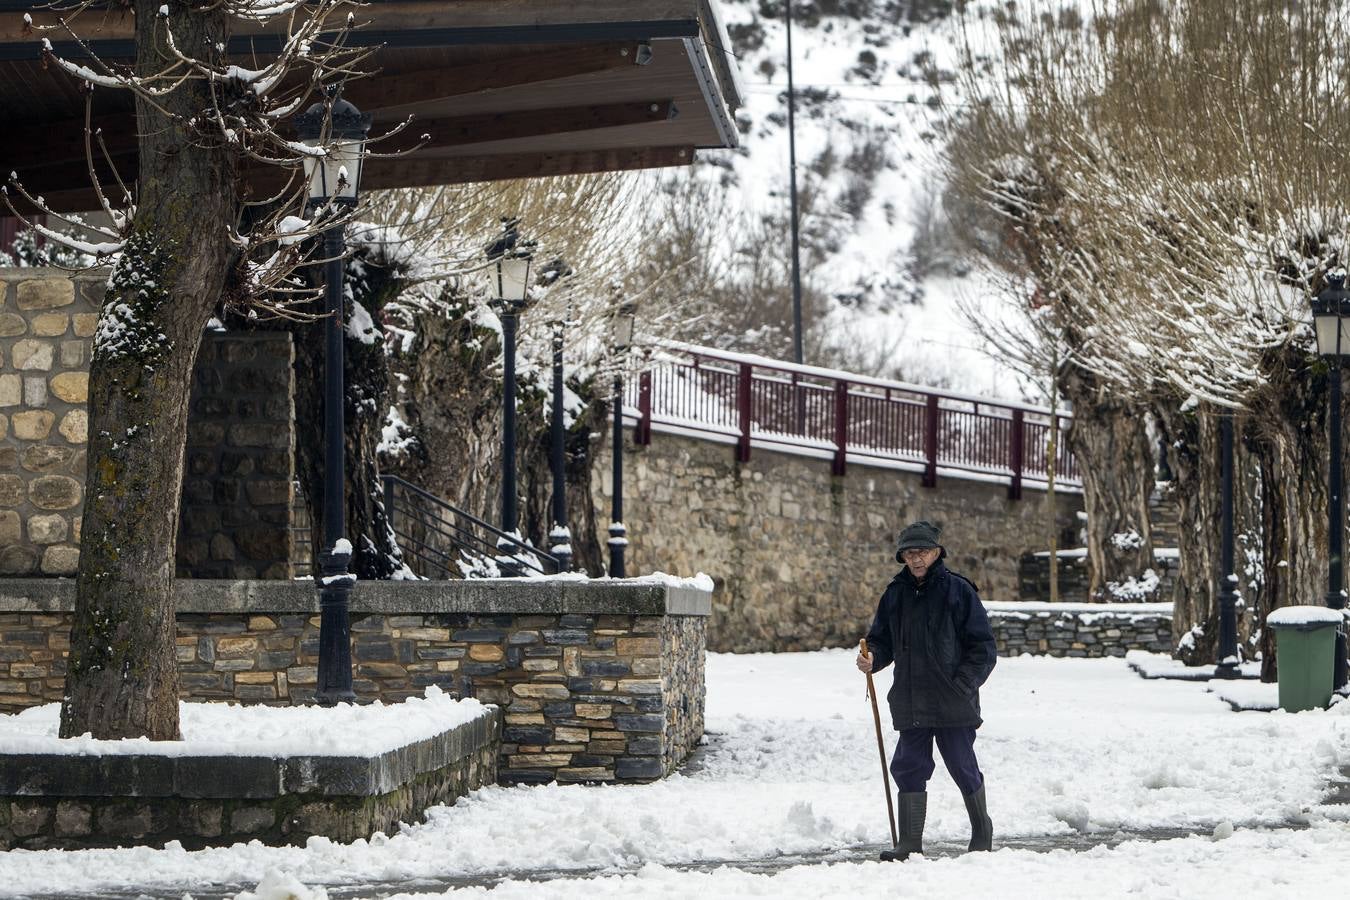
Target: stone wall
(1081, 629)
(799, 556)
(47, 323)
(598, 681)
(74, 801)
(239, 466)
(1074, 577)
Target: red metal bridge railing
(752, 401)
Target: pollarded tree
(177, 248)
(1196, 221)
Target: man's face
(919, 560)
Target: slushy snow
(790, 767)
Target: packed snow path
(1074, 751)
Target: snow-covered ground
(226, 729)
(791, 767)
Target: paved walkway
(858, 853)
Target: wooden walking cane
(881, 749)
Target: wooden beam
(406, 23)
(466, 169)
(60, 155)
(459, 131)
(397, 173)
(523, 68)
(52, 143)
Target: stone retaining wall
(1033, 574)
(799, 556)
(47, 324)
(597, 681)
(239, 462)
(1080, 629)
(239, 465)
(74, 801)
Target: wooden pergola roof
(504, 88)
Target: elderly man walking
(931, 624)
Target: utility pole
(797, 354)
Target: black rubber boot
(981, 826)
(913, 809)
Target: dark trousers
(912, 765)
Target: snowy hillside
(868, 163)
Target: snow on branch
(242, 106)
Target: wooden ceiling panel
(543, 87)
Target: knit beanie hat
(920, 535)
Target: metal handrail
(460, 530)
(759, 401)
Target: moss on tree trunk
(123, 679)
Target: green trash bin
(1305, 650)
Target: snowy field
(1069, 747)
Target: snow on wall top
(226, 729)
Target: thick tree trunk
(1193, 455)
(123, 677)
(1291, 446)
(1115, 458)
(453, 406)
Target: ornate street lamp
(511, 257)
(559, 536)
(622, 337)
(1331, 319)
(337, 131)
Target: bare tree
(179, 246)
(1170, 150)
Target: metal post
(389, 503)
(507, 563)
(334, 680)
(743, 388)
(643, 435)
(560, 539)
(930, 441)
(840, 465)
(1335, 518)
(1016, 454)
(797, 353)
(1228, 661)
(618, 535)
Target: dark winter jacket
(939, 638)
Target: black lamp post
(1331, 318)
(618, 535)
(512, 258)
(1228, 658)
(334, 179)
(560, 538)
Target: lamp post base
(335, 638)
(1227, 671)
(508, 564)
(618, 542)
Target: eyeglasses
(917, 554)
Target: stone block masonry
(239, 465)
(47, 322)
(597, 682)
(238, 472)
(73, 801)
(800, 556)
(1081, 629)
